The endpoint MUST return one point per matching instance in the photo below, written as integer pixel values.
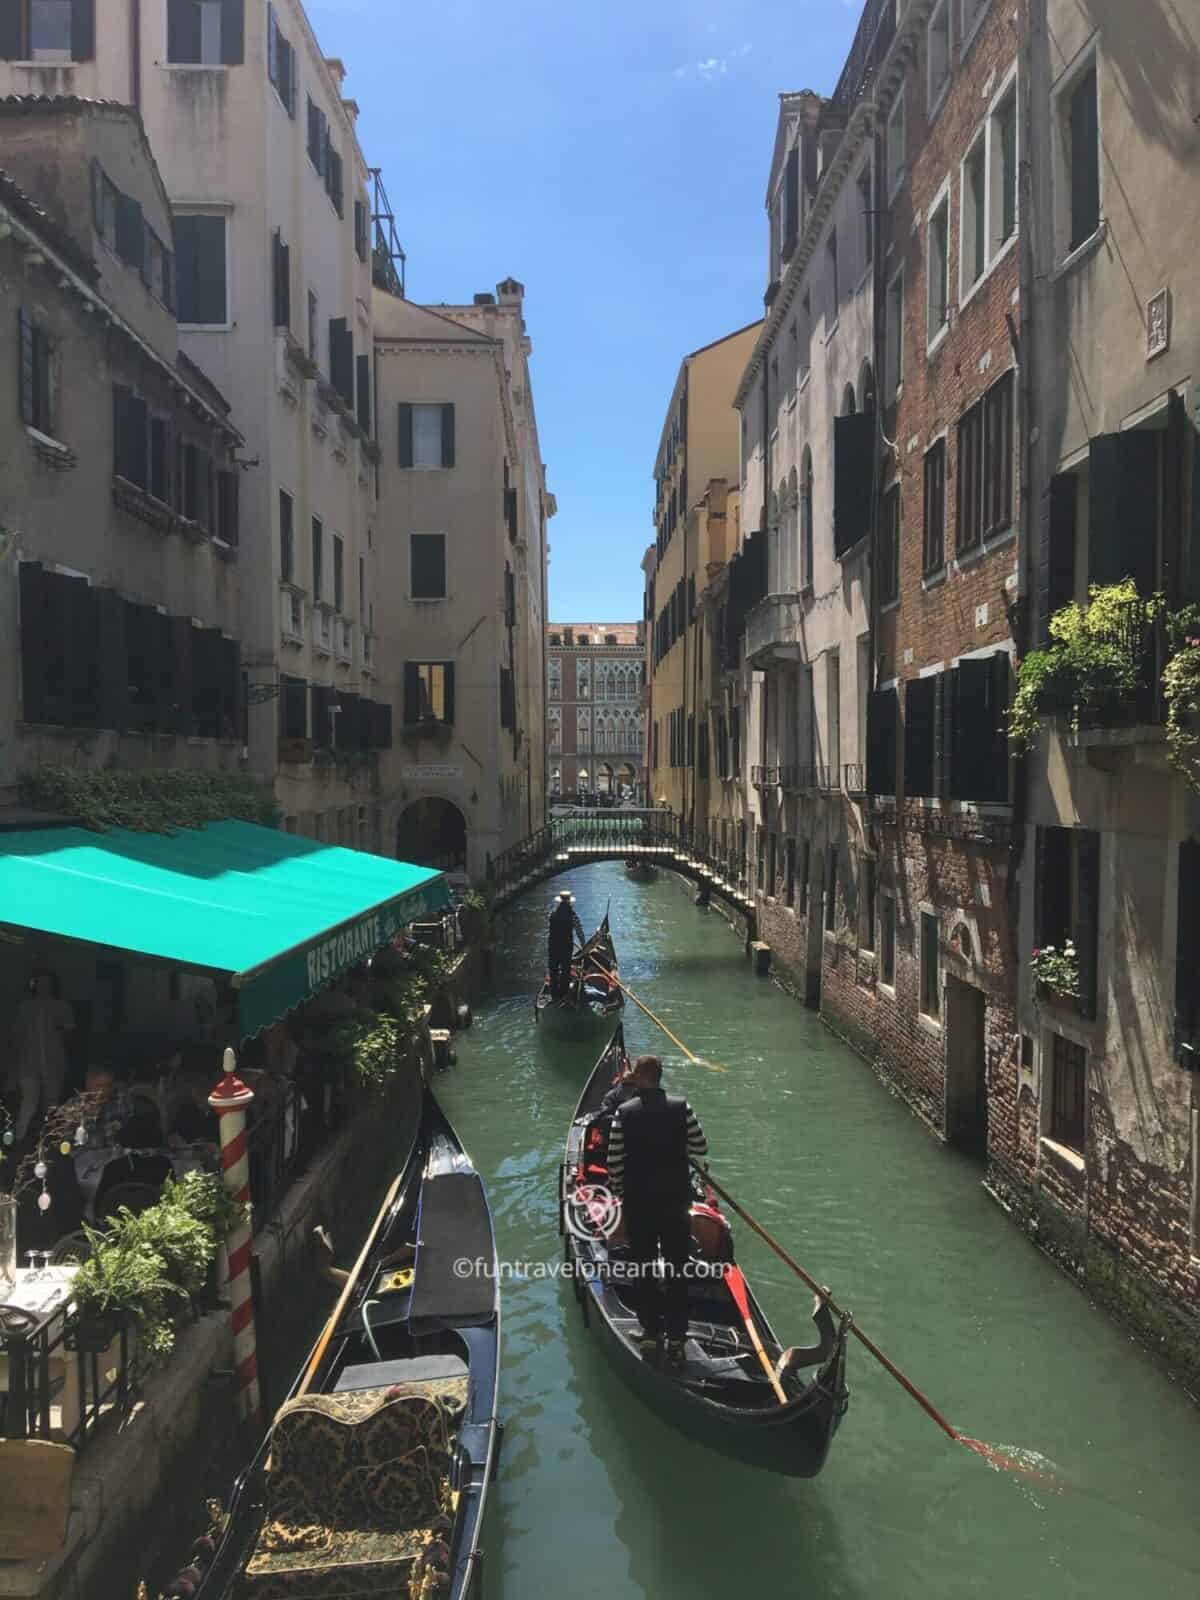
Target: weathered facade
(1101, 1126)
(276, 244)
(462, 556)
(698, 445)
(120, 539)
(595, 727)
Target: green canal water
(599, 1500)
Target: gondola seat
(356, 1483)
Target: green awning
(284, 916)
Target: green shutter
(1123, 508)
(412, 694)
(406, 434)
(233, 32)
(448, 435)
(10, 30)
(448, 717)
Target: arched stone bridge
(658, 838)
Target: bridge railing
(614, 832)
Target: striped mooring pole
(229, 1100)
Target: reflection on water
(599, 1498)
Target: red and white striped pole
(229, 1100)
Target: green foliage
(370, 1047)
(1092, 660)
(149, 802)
(203, 1195)
(1181, 688)
(1057, 970)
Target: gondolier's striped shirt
(697, 1145)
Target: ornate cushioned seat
(355, 1483)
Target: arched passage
(432, 833)
(604, 778)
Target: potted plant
(123, 1284)
(1056, 972)
(473, 917)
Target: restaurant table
(45, 1293)
(90, 1165)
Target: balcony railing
(764, 777)
(1143, 641)
(323, 629)
(854, 778)
(875, 33)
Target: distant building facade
(595, 725)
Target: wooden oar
(344, 1300)
(989, 1452)
(710, 1066)
(735, 1282)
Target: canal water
(599, 1500)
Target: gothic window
(555, 671)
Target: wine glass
(31, 1258)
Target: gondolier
(565, 926)
(653, 1136)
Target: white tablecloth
(41, 1292)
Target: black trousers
(560, 970)
(654, 1232)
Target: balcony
(323, 629)
(291, 619)
(343, 640)
(854, 778)
(764, 777)
(775, 630)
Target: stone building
(278, 230)
(697, 446)
(1097, 1125)
(595, 725)
(121, 546)
(809, 431)
(462, 566)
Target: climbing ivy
(149, 802)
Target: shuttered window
(381, 726)
(508, 708)
(428, 692)
(427, 570)
(205, 33)
(883, 720)
(281, 274)
(362, 377)
(853, 475)
(281, 62)
(985, 466)
(318, 558)
(889, 548)
(293, 708)
(931, 990)
(935, 508)
(426, 435)
(130, 436)
(339, 574)
(323, 700)
(341, 359)
(1123, 508)
(1068, 1093)
(1083, 158)
(979, 763)
(920, 712)
(47, 30)
(361, 229)
(160, 459)
(228, 495)
(1067, 902)
(318, 137)
(35, 374)
(1056, 554)
(791, 202)
(287, 545)
(200, 269)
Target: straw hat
(565, 894)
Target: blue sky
(613, 157)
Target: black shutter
(363, 385)
(995, 765)
(510, 513)
(131, 231)
(233, 32)
(1187, 950)
(35, 637)
(406, 434)
(349, 724)
(1085, 159)
(506, 698)
(920, 715)
(945, 771)
(1087, 925)
(853, 478)
(1123, 508)
(10, 31)
(79, 622)
(183, 30)
(282, 274)
(113, 660)
(1058, 555)
(162, 669)
(83, 30)
(427, 573)
(412, 694)
(184, 639)
(448, 435)
(341, 359)
(206, 681)
(448, 716)
(381, 726)
(882, 724)
(322, 702)
(27, 369)
(1052, 887)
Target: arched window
(806, 520)
(555, 676)
(791, 552)
(773, 545)
(849, 404)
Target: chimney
(485, 299)
(510, 292)
(338, 69)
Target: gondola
(640, 869)
(594, 1000)
(721, 1396)
(375, 1473)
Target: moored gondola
(593, 1000)
(722, 1395)
(375, 1473)
(641, 869)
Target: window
(985, 466)
(428, 692)
(47, 30)
(554, 679)
(130, 437)
(426, 435)
(974, 214)
(831, 885)
(894, 337)
(200, 269)
(833, 717)
(361, 220)
(314, 326)
(895, 146)
(281, 62)
(938, 269)
(1068, 1091)
(1081, 138)
(866, 206)
(318, 138)
(160, 270)
(935, 508)
(883, 723)
(281, 281)
(427, 566)
(318, 558)
(805, 335)
(38, 407)
(931, 996)
(887, 939)
(970, 17)
(339, 574)
(806, 522)
(1002, 173)
(867, 937)
(287, 549)
(205, 33)
(1067, 901)
(293, 707)
(937, 54)
(889, 548)
(831, 265)
(160, 459)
